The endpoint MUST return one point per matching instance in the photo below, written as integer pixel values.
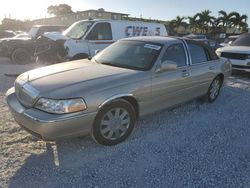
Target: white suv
(238, 53)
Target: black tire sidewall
(96, 127)
(16, 52)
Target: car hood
(235, 49)
(81, 75)
(55, 36)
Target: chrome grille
(26, 94)
(234, 55)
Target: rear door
(203, 67)
(99, 37)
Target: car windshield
(33, 31)
(77, 30)
(243, 40)
(135, 55)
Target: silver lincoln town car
(106, 95)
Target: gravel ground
(194, 145)
(9, 71)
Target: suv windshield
(77, 30)
(243, 40)
(33, 31)
(135, 55)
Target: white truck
(84, 38)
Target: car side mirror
(167, 66)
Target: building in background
(69, 19)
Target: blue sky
(157, 9)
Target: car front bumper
(49, 126)
(241, 65)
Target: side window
(101, 31)
(176, 53)
(198, 54)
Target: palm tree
(178, 23)
(205, 20)
(224, 19)
(238, 21)
(193, 24)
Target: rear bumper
(50, 126)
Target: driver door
(171, 87)
(100, 37)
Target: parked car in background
(229, 40)
(83, 38)
(7, 34)
(21, 49)
(22, 35)
(238, 53)
(106, 95)
(203, 38)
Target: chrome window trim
(185, 51)
(115, 97)
(203, 62)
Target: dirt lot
(194, 145)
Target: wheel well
(134, 103)
(80, 56)
(221, 76)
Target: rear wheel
(114, 123)
(214, 90)
(21, 56)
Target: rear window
(198, 54)
(243, 40)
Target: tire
(214, 90)
(114, 123)
(21, 56)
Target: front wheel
(21, 56)
(214, 89)
(114, 123)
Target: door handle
(185, 73)
(212, 67)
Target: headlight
(61, 106)
(248, 56)
(218, 52)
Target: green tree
(15, 25)
(193, 24)
(224, 19)
(177, 24)
(239, 22)
(205, 21)
(59, 10)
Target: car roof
(164, 40)
(153, 39)
(161, 39)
